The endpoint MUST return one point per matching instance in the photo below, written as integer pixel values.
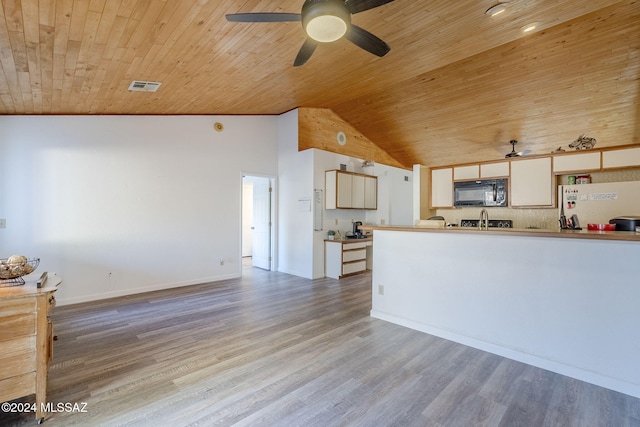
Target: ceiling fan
(325, 21)
(513, 152)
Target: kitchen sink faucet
(484, 220)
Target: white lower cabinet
(345, 257)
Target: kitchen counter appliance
(356, 233)
(485, 192)
(626, 223)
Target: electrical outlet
(380, 289)
(3, 223)
(336, 221)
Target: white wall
(123, 204)
(395, 197)
(295, 183)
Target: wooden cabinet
(442, 188)
(621, 158)
(345, 257)
(347, 190)
(531, 182)
(581, 162)
(26, 341)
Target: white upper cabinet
(370, 192)
(466, 172)
(442, 188)
(493, 170)
(346, 190)
(532, 182)
(357, 191)
(580, 162)
(345, 186)
(622, 158)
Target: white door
(262, 224)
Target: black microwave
(485, 192)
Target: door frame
(274, 218)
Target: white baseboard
(156, 287)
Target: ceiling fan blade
(357, 6)
(263, 17)
(305, 52)
(517, 154)
(367, 41)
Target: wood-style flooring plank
(270, 349)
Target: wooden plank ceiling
(456, 86)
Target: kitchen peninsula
(566, 301)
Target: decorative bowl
(13, 268)
(601, 227)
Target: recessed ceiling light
(496, 9)
(530, 27)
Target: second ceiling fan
(325, 21)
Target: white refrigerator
(598, 203)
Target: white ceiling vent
(142, 86)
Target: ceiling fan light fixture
(326, 28)
(325, 21)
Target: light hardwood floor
(271, 349)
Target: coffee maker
(357, 233)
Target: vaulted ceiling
(456, 86)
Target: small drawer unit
(345, 257)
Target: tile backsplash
(522, 218)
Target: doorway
(257, 221)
